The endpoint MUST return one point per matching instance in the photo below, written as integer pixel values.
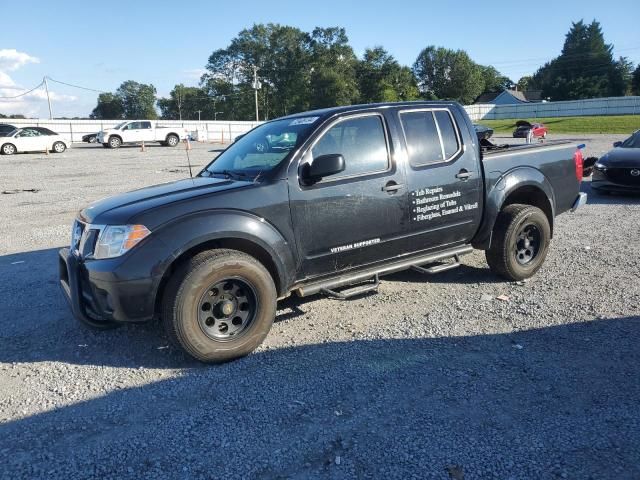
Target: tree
(524, 83)
(109, 107)
(382, 79)
(635, 81)
(282, 55)
(333, 69)
(449, 74)
(138, 100)
(585, 68)
(494, 81)
(185, 102)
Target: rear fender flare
(508, 184)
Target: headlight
(600, 166)
(115, 240)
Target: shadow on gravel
(36, 323)
(549, 403)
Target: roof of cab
(326, 112)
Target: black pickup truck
(353, 193)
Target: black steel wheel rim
(227, 308)
(528, 243)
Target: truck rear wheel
(172, 140)
(219, 306)
(521, 238)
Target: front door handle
(463, 175)
(392, 187)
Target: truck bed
(554, 160)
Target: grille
(623, 176)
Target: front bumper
(94, 299)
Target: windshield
(632, 142)
(119, 126)
(261, 149)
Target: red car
(523, 127)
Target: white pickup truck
(138, 131)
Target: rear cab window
(431, 136)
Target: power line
(76, 86)
(24, 93)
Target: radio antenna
(187, 148)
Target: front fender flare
(507, 184)
(188, 232)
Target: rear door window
(431, 136)
(422, 138)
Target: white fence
(593, 106)
(219, 131)
(225, 131)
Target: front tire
(59, 147)
(521, 238)
(172, 140)
(219, 306)
(8, 149)
(115, 142)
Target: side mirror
(616, 144)
(323, 166)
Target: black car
(90, 138)
(619, 169)
(6, 129)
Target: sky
(100, 45)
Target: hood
(622, 158)
(119, 209)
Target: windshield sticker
(433, 202)
(303, 121)
(351, 246)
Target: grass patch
(625, 124)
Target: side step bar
(370, 286)
(441, 267)
(304, 290)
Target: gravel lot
(430, 378)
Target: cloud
(11, 59)
(32, 104)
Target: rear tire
(172, 140)
(8, 149)
(521, 238)
(219, 306)
(59, 147)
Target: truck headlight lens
(115, 240)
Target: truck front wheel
(521, 238)
(115, 142)
(219, 306)
(172, 140)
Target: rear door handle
(463, 175)
(392, 187)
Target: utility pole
(46, 87)
(198, 114)
(256, 87)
